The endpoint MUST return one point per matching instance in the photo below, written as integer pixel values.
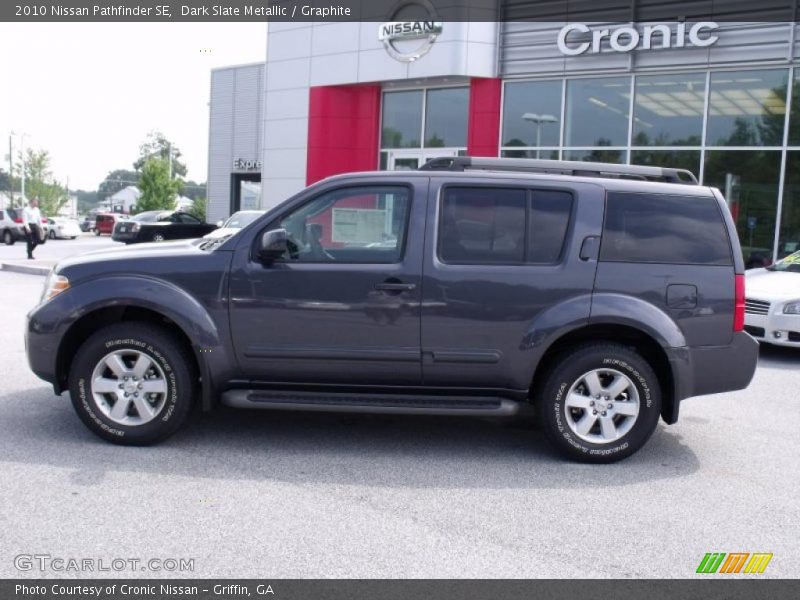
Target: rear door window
(492, 225)
(663, 228)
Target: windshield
(791, 263)
(241, 219)
(146, 217)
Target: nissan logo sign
(407, 41)
(626, 39)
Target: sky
(89, 93)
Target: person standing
(32, 220)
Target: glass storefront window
(532, 113)
(607, 155)
(546, 153)
(668, 110)
(747, 108)
(677, 159)
(749, 181)
(789, 241)
(446, 114)
(597, 112)
(402, 119)
(794, 116)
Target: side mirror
(219, 223)
(274, 244)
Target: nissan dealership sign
(407, 40)
(573, 39)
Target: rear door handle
(387, 286)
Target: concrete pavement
(304, 495)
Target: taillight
(18, 220)
(738, 309)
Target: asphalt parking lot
(54, 250)
(300, 495)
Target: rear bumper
(126, 237)
(705, 370)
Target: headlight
(54, 285)
(792, 308)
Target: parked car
(601, 302)
(772, 307)
(13, 230)
(159, 226)
(234, 223)
(10, 228)
(63, 228)
(104, 223)
(87, 224)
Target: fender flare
(174, 303)
(620, 309)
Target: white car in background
(234, 223)
(772, 304)
(63, 228)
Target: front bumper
(775, 327)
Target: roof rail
(561, 167)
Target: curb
(27, 269)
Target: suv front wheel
(600, 404)
(132, 383)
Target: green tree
(40, 183)
(5, 181)
(198, 209)
(158, 190)
(158, 146)
(87, 200)
(194, 190)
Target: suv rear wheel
(8, 238)
(132, 383)
(600, 404)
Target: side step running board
(370, 403)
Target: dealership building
(712, 97)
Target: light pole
(22, 137)
(538, 119)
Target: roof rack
(561, 167)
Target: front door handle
(392, 286)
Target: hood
(763, 284)
(133, 253)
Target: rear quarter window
(503, 226)
(663, 228)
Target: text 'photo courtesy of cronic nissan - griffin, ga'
(595, 297)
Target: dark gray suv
(600, 295)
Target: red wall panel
(483, 135)
(343, 130)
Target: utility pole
(22, 167)
(169, 158)
(11, 167)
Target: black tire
(52, 234)
(175, 362)
(97, 232)
(568, 371)
(8, 238)
(158, 237)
